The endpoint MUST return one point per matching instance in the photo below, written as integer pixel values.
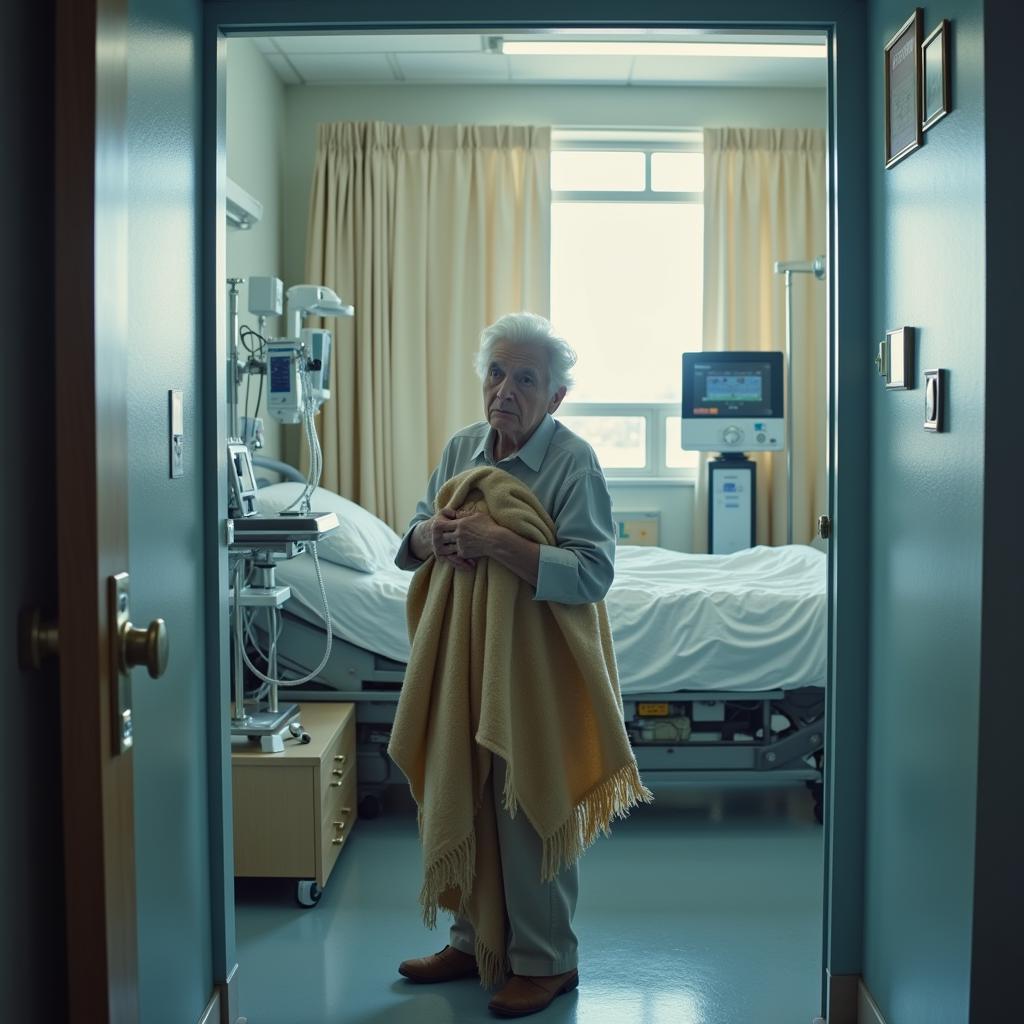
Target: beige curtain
(764, 200)
(431, 233)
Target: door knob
(147, 647)
(824, 527)
(38, 639)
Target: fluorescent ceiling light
(638, 48)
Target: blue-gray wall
(32, 984)
(172, 832)
(928, 271)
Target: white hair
(529, 328)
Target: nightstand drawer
(339, 818)
(338, 766)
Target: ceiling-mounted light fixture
(655, 48)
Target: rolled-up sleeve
(579, 569)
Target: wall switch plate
(176, 415)
(899, 375)
(935, 400)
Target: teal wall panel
(172, 840)
(928, 271)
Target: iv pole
(789, 268)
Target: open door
(144, 911)
(92, 508)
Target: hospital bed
(721, 658)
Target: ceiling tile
(283, 69)
(746, 71)
(609, 70)
(343, 67)
(460, 67)
(423, 42)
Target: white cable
(330, 637)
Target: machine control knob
(732, 435)
(761, 437)
(147, 647)
(824, 527)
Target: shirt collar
(532, 453)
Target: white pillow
(362, 541)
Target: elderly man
(526, 371)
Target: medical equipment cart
(294, 810)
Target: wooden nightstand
(294, 811)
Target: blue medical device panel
(731, 385)
(280, 374)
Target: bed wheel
(308, 893)
(370, 806)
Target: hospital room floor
(704, 908)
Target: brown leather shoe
(448, 965)
(523, 995)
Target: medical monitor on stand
(732, 405)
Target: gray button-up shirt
(563, 472)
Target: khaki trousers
(540, 938)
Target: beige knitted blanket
(493, 670)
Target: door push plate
(118, 612)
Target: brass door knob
(147, 647)
(824, 527)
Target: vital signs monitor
(732, 402)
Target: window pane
(626, 294)
(677, 172)
(597, 170)
(675, 457)
(620, 441)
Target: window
(626, 289)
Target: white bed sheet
(754, 620)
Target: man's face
(517, 391)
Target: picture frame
(936, 93)
(899, 371)
(903, 90)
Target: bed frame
(736, 736)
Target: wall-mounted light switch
(935, 400)
(176, 415)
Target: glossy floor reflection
(702, 909)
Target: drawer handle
(339, 824)
(338, 772)
(340, 758)
(337, 785)
(337, 842)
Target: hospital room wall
(255, 128)
(579, 106)
(928, 256)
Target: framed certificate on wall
(903, 90)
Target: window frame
(655, 414)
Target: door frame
(848, 295)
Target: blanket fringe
(491, 967)
(453, 869)
(592, 817)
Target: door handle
(824, 527)
(38, 639)
(129, 646)
(147, 647)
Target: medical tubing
(313, 450)
(330, 637)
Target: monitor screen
(746, 385)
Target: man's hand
(431, 537)
(468, 534)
